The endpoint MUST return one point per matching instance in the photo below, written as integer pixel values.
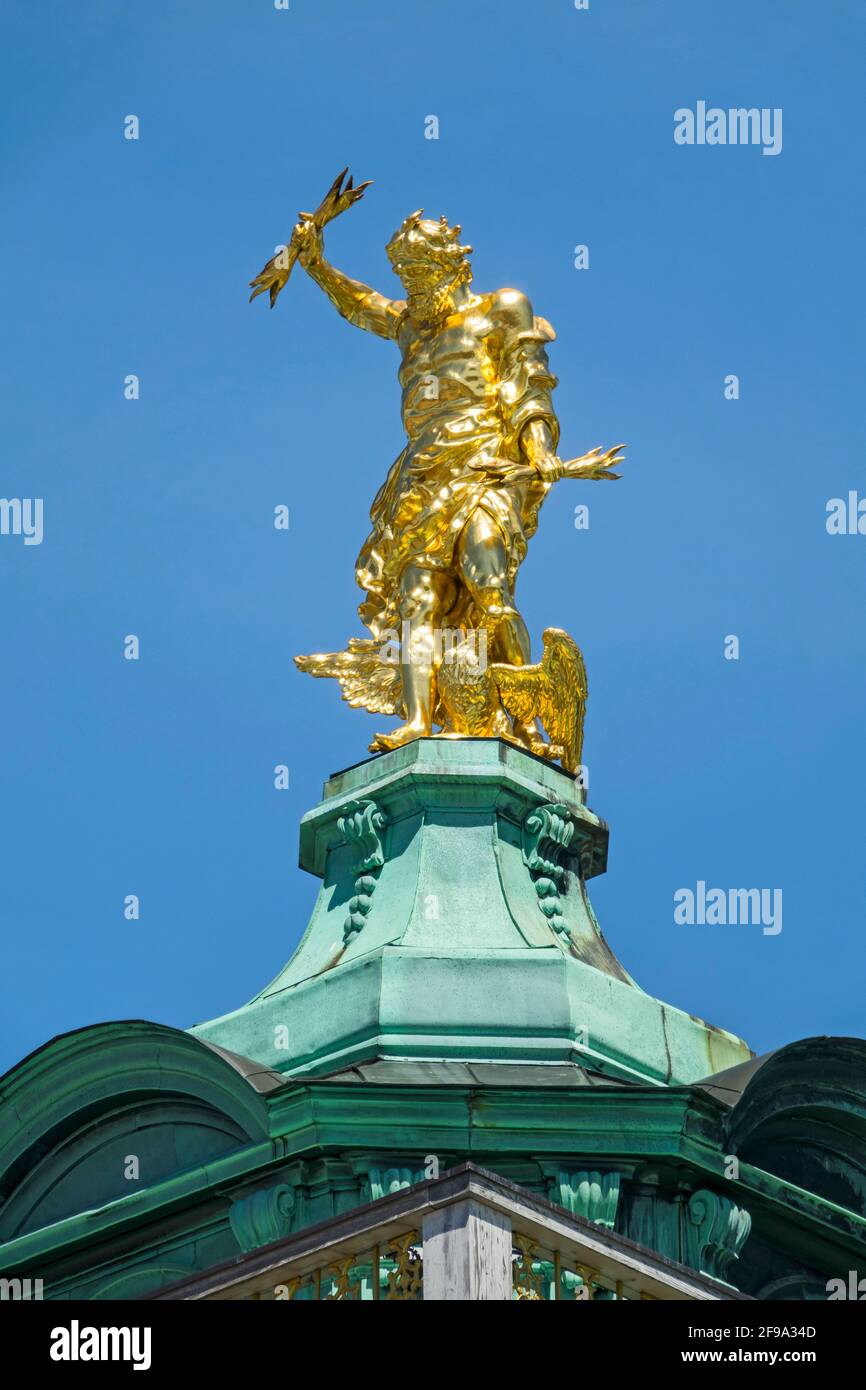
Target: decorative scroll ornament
(716, 1232)
(262, 1217)
(362, 823)
(548, 831)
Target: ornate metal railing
(395, 1271)
(561, 1280)
(392, 1271)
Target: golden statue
(451, 522)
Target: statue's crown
(418, 238)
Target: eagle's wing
(366, 680)
(520, 688)
(564, 693)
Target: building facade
(453, 1089)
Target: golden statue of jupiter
(450, 524)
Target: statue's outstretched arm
(361, 305)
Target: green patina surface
(457, 955)
(452, 996)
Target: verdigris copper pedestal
(454, 922)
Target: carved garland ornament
(362, 823)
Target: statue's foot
(529, 735)
(397, 737)
(551, 751)
(526, 735)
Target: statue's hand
(306, 243)
(537, 447)
(549, 467)
(596, 464)
(307, 236)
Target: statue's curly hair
(419, 237)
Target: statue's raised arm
(357, 302)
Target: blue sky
(556, 129)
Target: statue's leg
(424, 594)
(482, 565)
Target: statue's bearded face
(430, 264)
